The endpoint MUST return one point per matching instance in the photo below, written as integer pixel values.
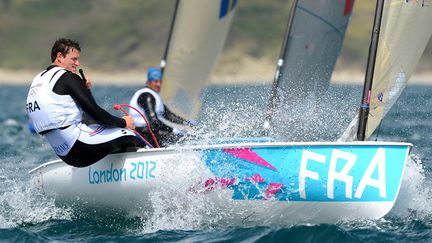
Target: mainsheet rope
(120, 107)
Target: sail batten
(340, 30)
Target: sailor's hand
(88, 83)
(129, 122)
(87, 80)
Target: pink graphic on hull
(251, 187)
(250, 156)
(214, 183)
(256, 178)
(210, 184)
(273, 189)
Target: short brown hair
(63, 46)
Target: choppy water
(230, 112)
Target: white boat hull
(264, 183)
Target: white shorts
(62, 140)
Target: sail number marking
(342, 175)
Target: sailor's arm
(71, 84)
(171, 116)
(148, 103)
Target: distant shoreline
(24, 77)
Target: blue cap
(154, 74)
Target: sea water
(228, 111)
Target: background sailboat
(314, 37)
(197, 36)
(403, 35)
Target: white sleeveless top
(46, 109)
(50, 111)
(159, 107)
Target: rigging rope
(120, 107)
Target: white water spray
(20, 204)
(415, 194)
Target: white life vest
(159, 107)
(46, 109)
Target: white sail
(405, 32)
(314, 42)
(198, 35)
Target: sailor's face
(69, 62)
(155, 85)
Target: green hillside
(131, 34)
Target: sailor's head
(154, 78)
(65, 53)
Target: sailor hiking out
(55, 104)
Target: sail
(315, 38)
(198, 35)
(405, 32)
